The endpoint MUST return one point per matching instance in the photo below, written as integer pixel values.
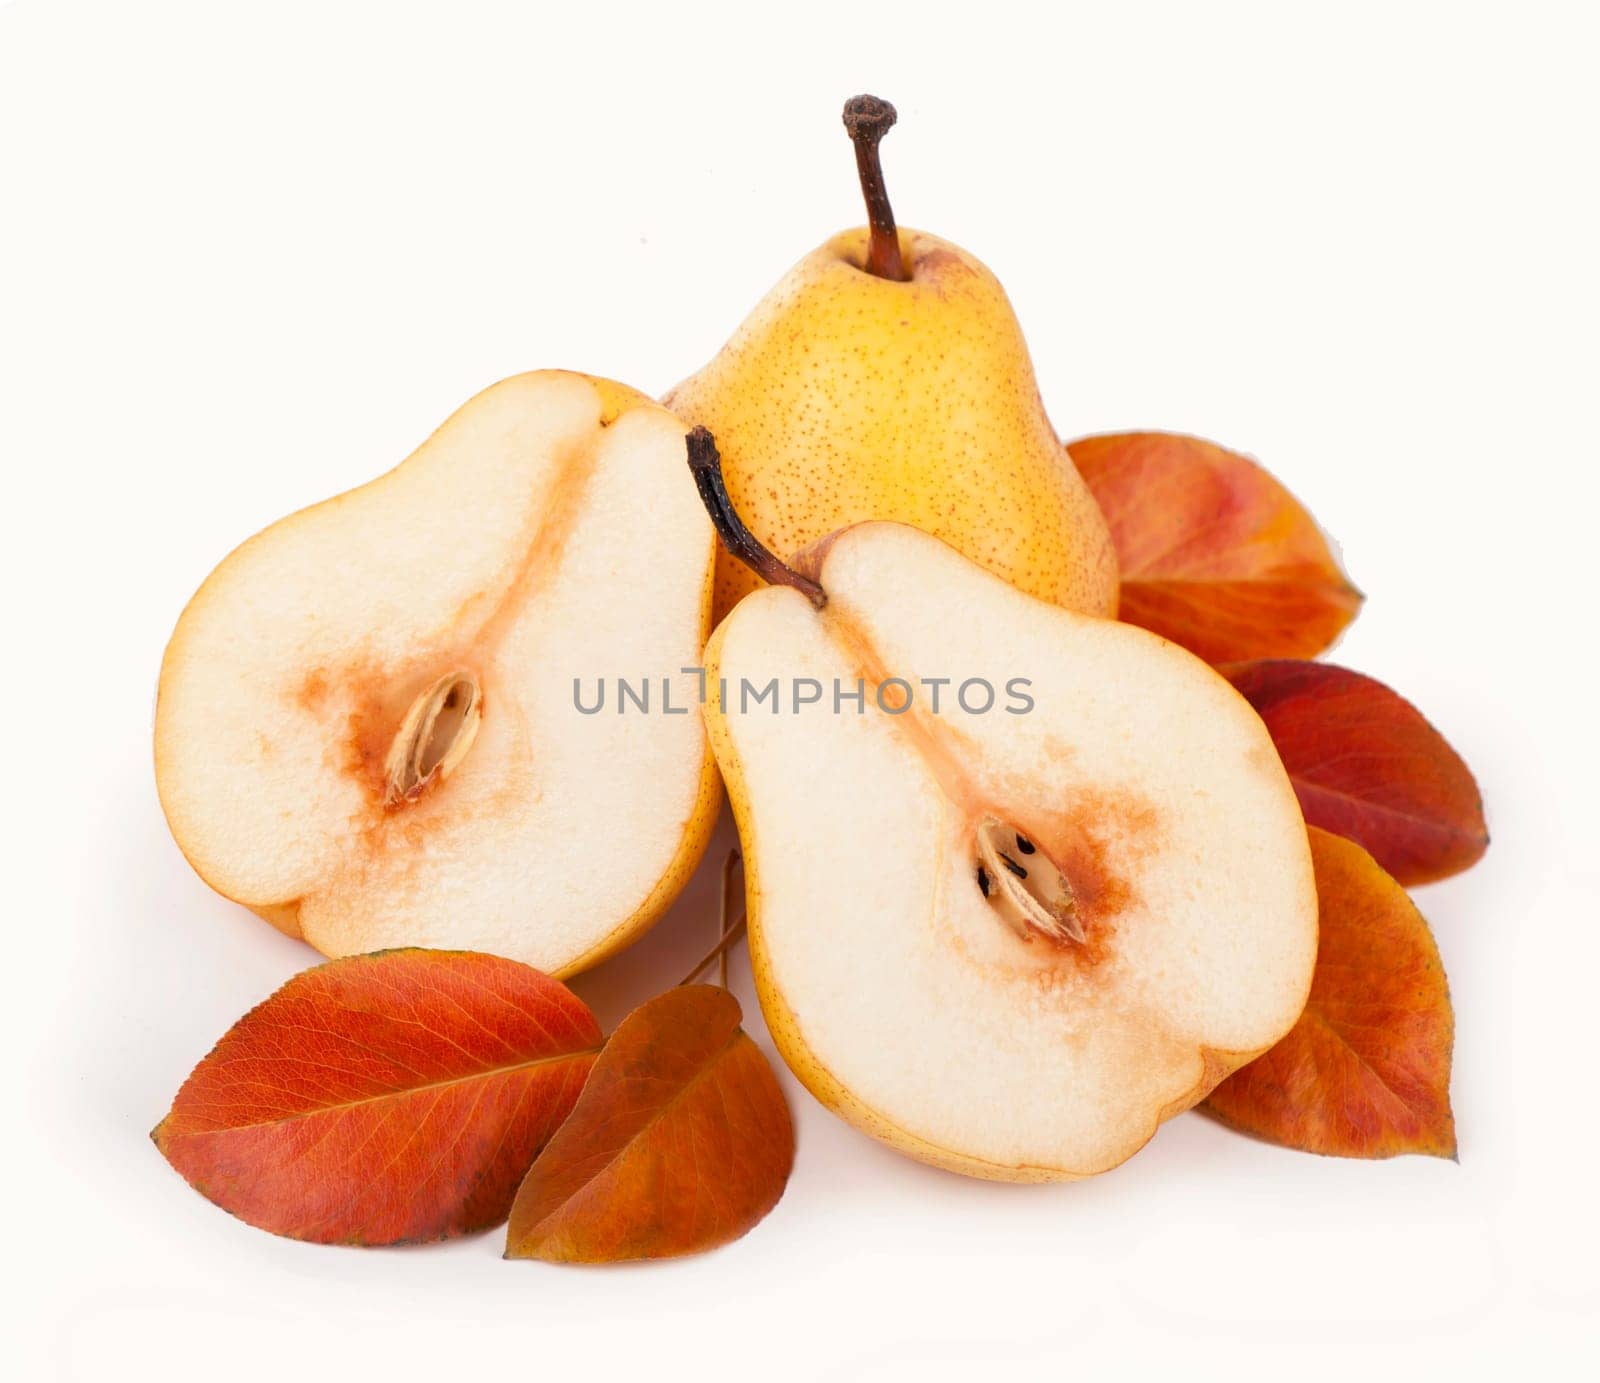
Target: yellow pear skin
(846, 397)
(886, 378)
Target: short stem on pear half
(705, 462)
(867, 119)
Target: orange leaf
(1366, 1070)
(383, 1099)
(1365, 764)
(680, 1141)
(1215, 554)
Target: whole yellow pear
(886, 377)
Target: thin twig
(730, 934)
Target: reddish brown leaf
(1366, 1070)
(680, 1141)
(1215, 554)
(1365, 764)
(383, 1099)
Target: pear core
(434, 737)
(1027, 888)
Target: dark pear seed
(983, 880)
(1025, 845)
(1012, 865)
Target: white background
(251, 254)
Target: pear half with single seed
(367, 728)
(1040, 888)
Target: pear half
(1007, 939)
(367, 729)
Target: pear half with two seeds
(1007, 940)
(886, 377)
(367, 729)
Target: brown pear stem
(868, 119)
(705, 462)
(719, 952)
(730, 862)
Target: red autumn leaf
(680, 1141)
(1215, 554)
(1366, 1070)
(383, 1099)
(1366, 765)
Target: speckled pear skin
(845, 397)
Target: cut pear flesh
(367, 727)
(1008, 943)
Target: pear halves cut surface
(366, 728)
(1009, 941)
